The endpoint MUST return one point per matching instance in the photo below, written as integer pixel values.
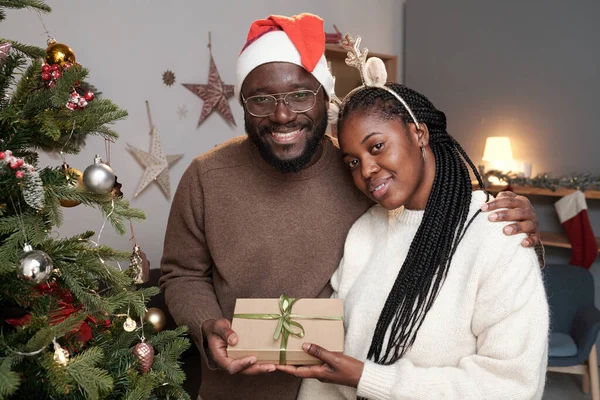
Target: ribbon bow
(285, 325)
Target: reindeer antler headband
(372, 74)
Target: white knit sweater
(486, 335)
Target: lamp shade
(497, 149)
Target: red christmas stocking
(573, 215)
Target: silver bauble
(98, 178)
(34, 265)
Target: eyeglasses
(263, 105)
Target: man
(267, 214)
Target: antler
(355, 57)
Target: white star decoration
(156, 163)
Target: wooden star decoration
(215, 95)
(155, 162)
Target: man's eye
(352, 164)
(377, 147)
(261, 99)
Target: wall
(524, 69)
(127, 45)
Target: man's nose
(282, 114)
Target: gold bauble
(58, 53)
(74, 179)
(156, 318)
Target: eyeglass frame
(282, 96)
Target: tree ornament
(144, 352)
(74, 180)
(98, 178)
(61, 355)
(58, 53)
(4, 50)
(129, 325)
(89, 95)
(34, 265)
(157, 318)
(136, 266)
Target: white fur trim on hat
(276, 46)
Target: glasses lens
(261, 106)
(300, 101)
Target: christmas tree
(74, 325)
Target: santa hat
(299, 40)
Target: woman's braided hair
(444, 220)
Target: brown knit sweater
(238, 228)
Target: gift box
(274, 330)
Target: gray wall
(147, 37)
(525, 69)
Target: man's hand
(519, 209)
(219, 334)
(338, 368)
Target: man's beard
(295, 164)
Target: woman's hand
(338, 368)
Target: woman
(439, 303)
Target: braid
(443, 226)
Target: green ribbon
(285, 326)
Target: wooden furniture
(552, 239)
(574, 324)
(347, 78)
(589, 372)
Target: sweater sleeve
(511, 322)
(186, 262)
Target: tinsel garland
(581, 182)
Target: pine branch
(9, 379)
(94, 381)
(24, 49)
(19, 4)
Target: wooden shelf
(535, 191)
(554, 239)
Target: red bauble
(46, 76)
(89, 96)
(46, 68)
(56, 74)
(55, 67)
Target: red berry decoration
(46, 68)
(14, 165)
(46, 76)
(51, 84)
(2, 155)
(55, 67)
(19, 162)
(71, 106)
(19, 174)
(56, 74)
(89, 96)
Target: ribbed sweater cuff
(376, 381)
